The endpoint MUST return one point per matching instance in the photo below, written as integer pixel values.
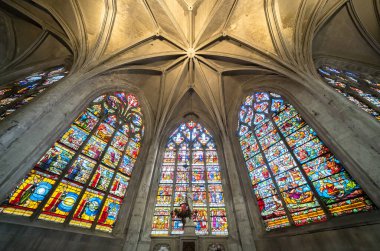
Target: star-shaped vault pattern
(182, 51)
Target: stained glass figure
(22, 92)
(295, 178)
(190, 164)
(361, 89)
(83, 178)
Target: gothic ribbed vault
(199, 57)
(182, 44)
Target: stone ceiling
(168, 47)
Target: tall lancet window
(296, 179)
(82, 179)
(190, 167)
(363, 90)
(19, 93)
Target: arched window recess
(190, 168)
(296, 179)
(83, 178)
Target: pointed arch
(296, 179)
(83, 178)
(190, 165)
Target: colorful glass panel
(29, 194)
(21, 92)
(61, 202)
(87, 209)
(56, 159)
(83, 178)
(305, 182)
(74, 137)
(190, 168)
(361, 89)
(109, 214)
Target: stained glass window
(19, 93)
(82, 179)
(295, 178)
(361, 89)
(190, 166)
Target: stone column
(238, 202)
(135, 228)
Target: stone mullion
(107, 192)
(173, 186)
(299, 165)
(363, 100)
(12, 91)
(62, 175)
(272, 178)
(207, 191)
(191, 170)
(191, 144)
(366, 88)
(360, 85)
(348, 91)
(360, 98)
(12, 104)
(22, 97)
(86, 185)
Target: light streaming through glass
(190, 164)
(361, 89)
(82, 179)
(20, 93)
(295, 177)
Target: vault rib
(328, 14)
(210, 64)
(176, 86)
(106, 29)
(275, 31)
(129, 47)
(210, 18)
(212, 104)
(20, 6)
(359, 25)
(151, 14)
(82, 37)
(168, 14)
(25, 54)
(174, 63)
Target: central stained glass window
(295, 177)
(82, 179)
(190, 165)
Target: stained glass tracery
(82, 179)
(20, 93)
(361, 89)
(190, 165)
(295, 178)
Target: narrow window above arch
(82, 179)
(20, 93)
(296, 179)
(361, 89)
(191, 168)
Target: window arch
(295, 177)
(19, 93)
(190, 164)
(82, 179)
(361, 89)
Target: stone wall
(17, 237)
